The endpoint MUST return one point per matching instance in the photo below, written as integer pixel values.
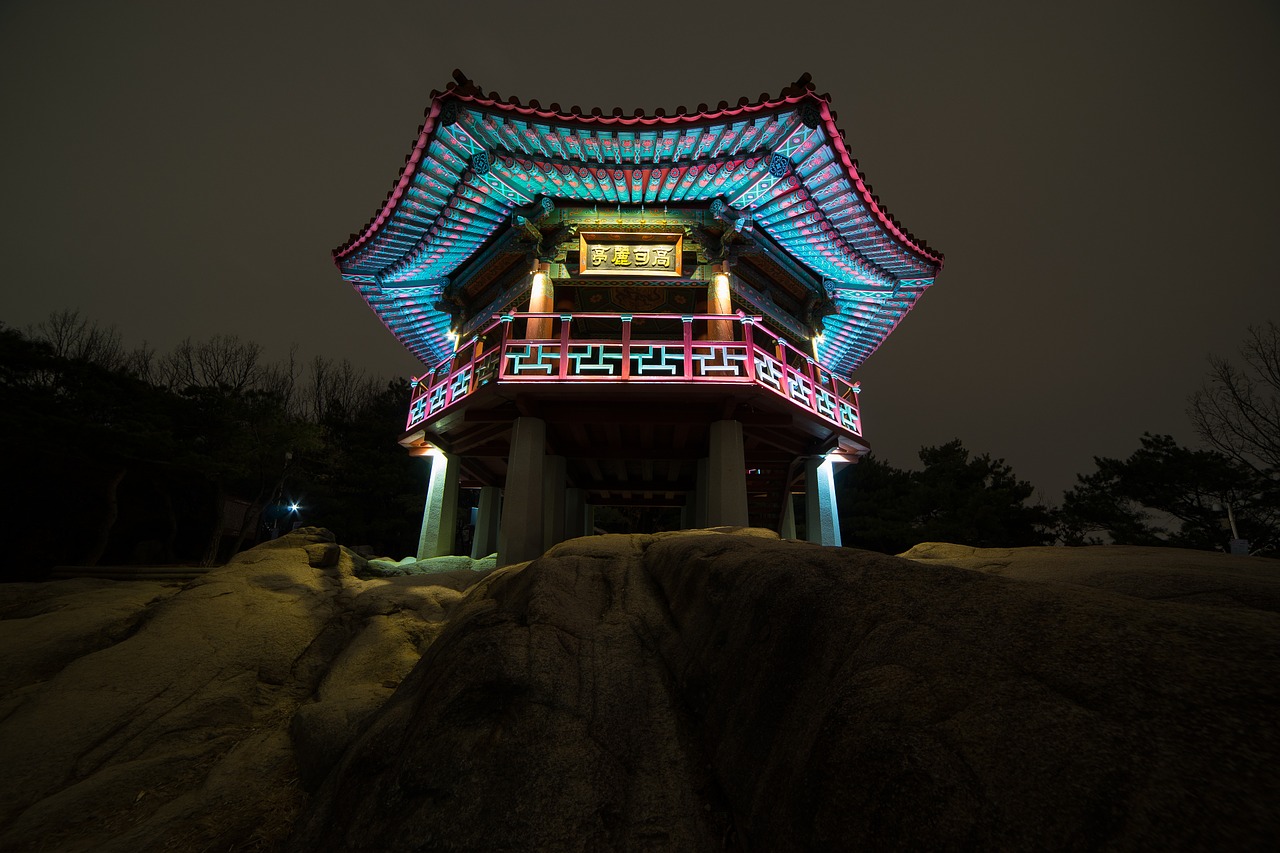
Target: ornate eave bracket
(547, 247)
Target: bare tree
(318, 389)
(77, 338)
(177, 369)
(338, 387)
(1237, 410)
(223, 361)
(140, 363)
(282, 381)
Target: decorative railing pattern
(754, 356)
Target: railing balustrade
(754, 356)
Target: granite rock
(697, 690)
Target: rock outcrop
(138, 716)
(691, 691)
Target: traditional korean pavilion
(633, 309)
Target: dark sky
(1102, 177)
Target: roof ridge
(464, 88)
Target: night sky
(1102, 177)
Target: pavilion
(633, 310)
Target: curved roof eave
(823, 212)
(908, 240)
(464, 90)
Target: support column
(719, 302)
(727, 477)
(553, 496)
(440, 515)
(520, 536)
(541, 301)
(575, 514)
(822, 520)
(788, 530)
(485, 541)
(589, 519)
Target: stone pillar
(440, 516)
(822, 520)
(485, 541)
(553, 490)
(575, 514)
(788, 530)
(520, 537)
(727, 477)
(700, 496)
(719, 302)
(541, 301)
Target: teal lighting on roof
(781, 164)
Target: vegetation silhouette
(956, 497)
(122, 456)
(133, 457)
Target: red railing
(531, 348)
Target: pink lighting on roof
(802, 91)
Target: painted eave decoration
(781, 163)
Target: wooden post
(626, 354)
(719, 302)
(541, 301)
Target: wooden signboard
(630, 253)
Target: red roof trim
(393, 197)
(466, 90)
(617, 118)
(918, 246)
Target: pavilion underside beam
(618, 500)
(684, 484)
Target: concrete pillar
(822, 519)
(726, 477)
(553, 480)
(520, 537)
(440, 515)
(575, 514)
(485, 541)
(788, 530)
(700, 496)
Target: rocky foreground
(692, 691)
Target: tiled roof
(781, 163)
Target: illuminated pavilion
(633, 310)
